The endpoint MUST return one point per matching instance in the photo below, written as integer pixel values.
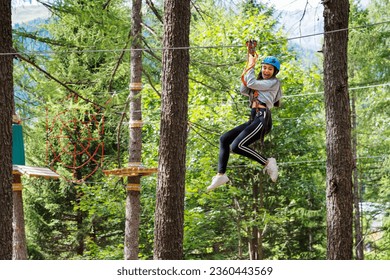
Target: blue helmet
(272, 61)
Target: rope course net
(74, 144)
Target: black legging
(239, 139)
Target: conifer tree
(169, 215)
(6, 111)
(338, 131)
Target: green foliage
(221, 108)
(86, 220)
(369, 76)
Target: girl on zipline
(264, 93)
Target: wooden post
(133, 210)
(133, 203)
(19, 251)
(19, 234)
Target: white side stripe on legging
(249, 150)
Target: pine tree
(6, 111)
(169, 215)
(338, 131)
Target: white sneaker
(272, 169)
(218, 180)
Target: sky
(26, 10)
(293, 5)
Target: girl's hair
(260, 77)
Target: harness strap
(253, 94)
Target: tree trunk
(133, 203)
(80, 216)
(338, 131)
(19, 234)
(77, 177)
(6, 109)
(169, 213)
(359, 244)
(254, 241)
(238, 226)
(133, 208)
(262, 229)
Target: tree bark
(262, 229)
(19, 233)
(338, 131)
(6, 110)
(359, 243)
(133, 203)
(254, 249)
(256, 241)
(169, 213)
(133, 209)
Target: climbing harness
(265, 115)
(251, 49)
(261, 110)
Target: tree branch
(118, 63)
(18, 55)
(303, 15)
(154, 10)
(151, 83)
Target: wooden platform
(32, 171)
(131, 171)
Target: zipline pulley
(251, 45)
